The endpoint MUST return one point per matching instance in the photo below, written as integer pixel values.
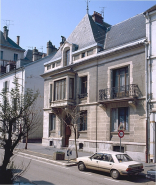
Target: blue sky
(38, 21)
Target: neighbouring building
(27, 68)
(101, 69)
(150, 62)
(10, 52)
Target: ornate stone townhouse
(101, 69)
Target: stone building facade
(101, 69)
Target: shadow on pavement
(24, 181)
(134, 178)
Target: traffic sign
(69, 152)
(121, 133)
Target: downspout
(146, 90)
(148, 86)
(96, 100)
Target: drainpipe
(96, 100)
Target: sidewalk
(37, 151)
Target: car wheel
(81, 166)
(115, 174)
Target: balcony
(125, 92)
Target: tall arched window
(67, 58)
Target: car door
(106, 162)
(93, 162)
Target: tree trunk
(26, 142)
(75, 143)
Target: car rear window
(123, 158)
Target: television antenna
(102, 12)
(41, 48)
(87, 7)
(31, 47)
(8, 23)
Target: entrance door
(67, 131)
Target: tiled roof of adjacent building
(126, 31)
(8, 42)
(153, 8)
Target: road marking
(42, 161)
(86, 173)
(111, 180)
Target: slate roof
(9, 42)
(126, 31)
(86, 33)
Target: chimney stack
(50, 48)
(5, 33)
(35, 54)
(97, 17)
(18, 39)
(63, 40)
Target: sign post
(121, 135)
(69, 152)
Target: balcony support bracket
(132, 104)
(103, 106)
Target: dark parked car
(151, 174)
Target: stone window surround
(130, 64)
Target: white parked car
(115, 163)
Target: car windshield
(123, 158)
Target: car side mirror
(90, 158)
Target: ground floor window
(83, 121)
(52, 121)
(119, 118)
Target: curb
(48, 160)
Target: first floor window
(83, 121)
(71, 88)
(84, 85)
(1, 57)
(52, 121)
(120, 119)
(15, 57)
(60, 89)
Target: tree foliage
(16, 118)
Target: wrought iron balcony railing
(80, 96)
(125, 91)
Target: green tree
(16, 119)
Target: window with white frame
(120, 119)
(60, 89)
(52, 121)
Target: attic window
(53, 65)
(76, 57)
(83, 55)
(90, 52)
(48, 66)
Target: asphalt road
(41, 172)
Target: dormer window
(90, 52)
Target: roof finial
(87, 7)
